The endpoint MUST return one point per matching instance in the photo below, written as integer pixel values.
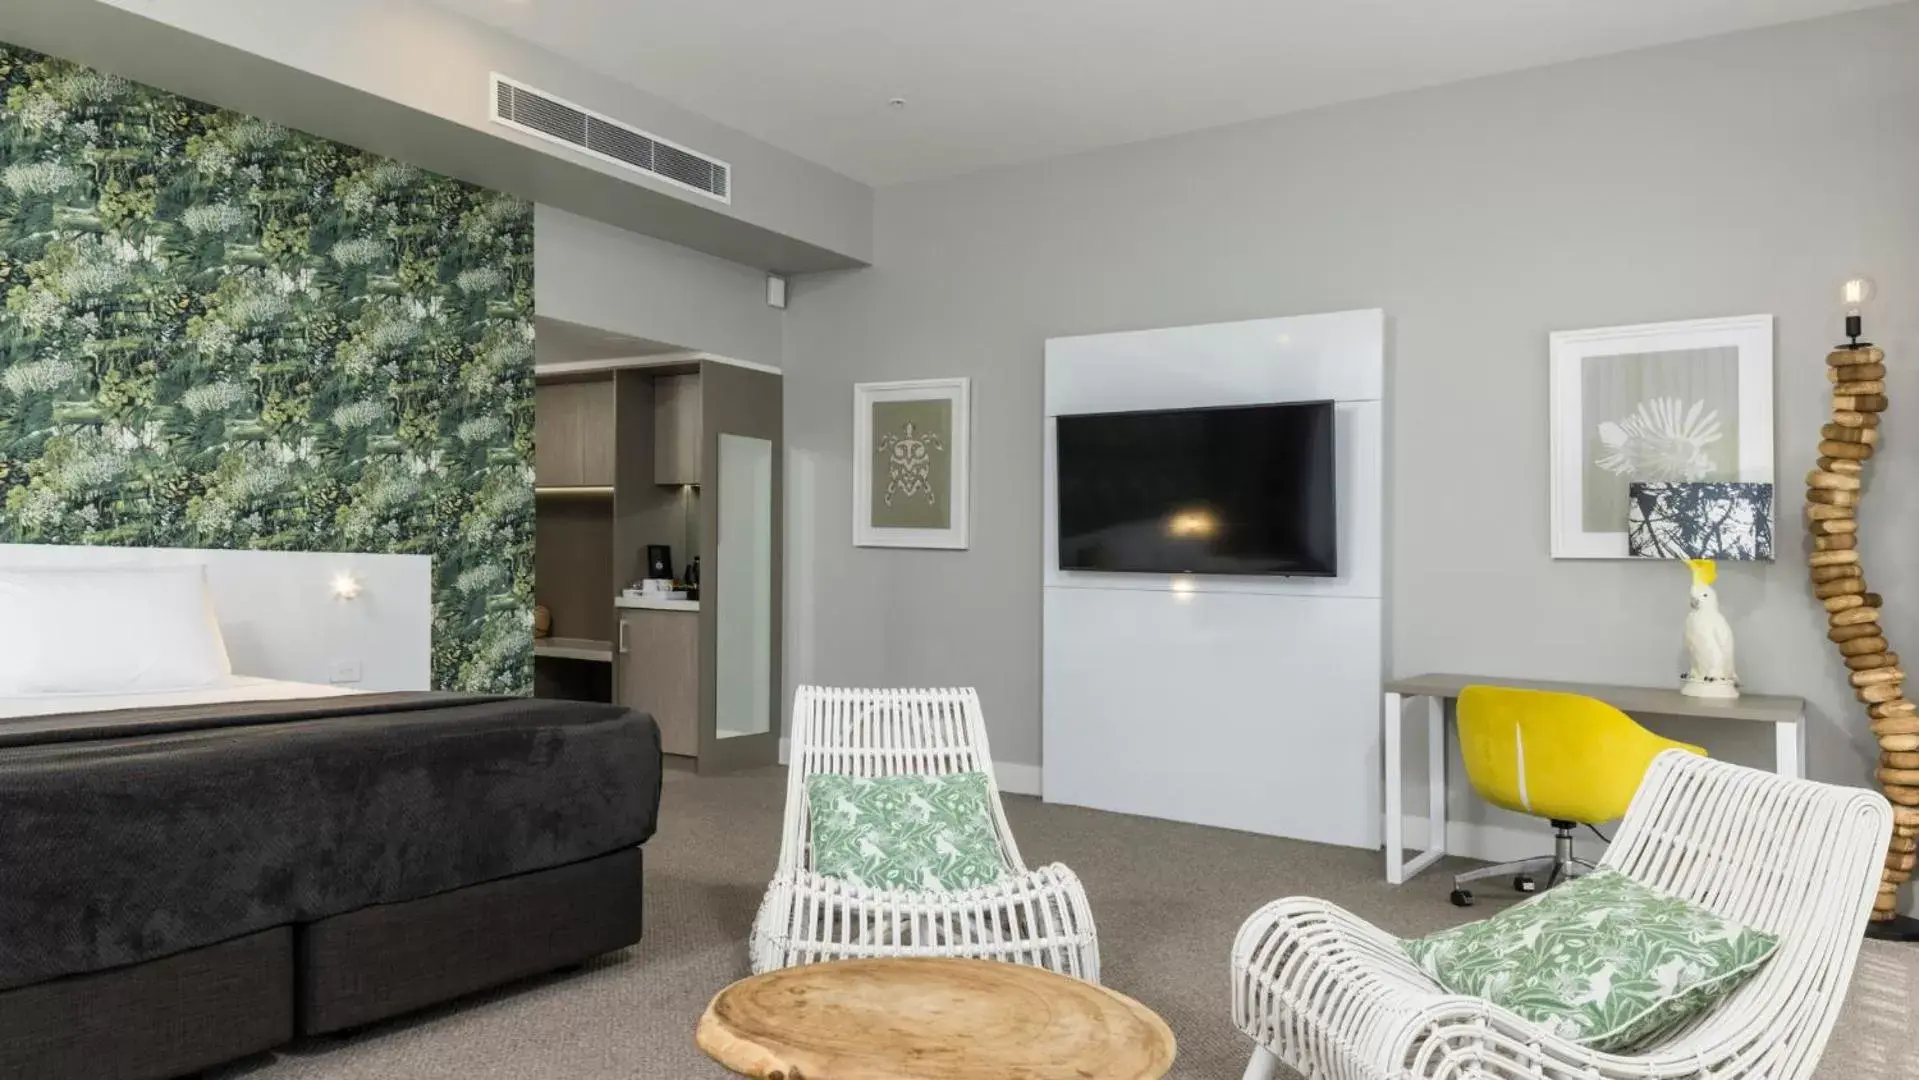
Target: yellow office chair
(1564, 757)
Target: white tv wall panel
(1218, 708)
(1236, 701)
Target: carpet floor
(1168, 898)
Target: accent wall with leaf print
(221, 333)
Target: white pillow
(108, 631)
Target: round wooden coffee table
(931, 1020)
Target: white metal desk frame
(1787, 716)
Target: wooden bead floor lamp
(1857, 371)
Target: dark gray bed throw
(130, 835)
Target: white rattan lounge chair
(1036, 917)
(1335, 998)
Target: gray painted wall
(598, 275)
(1732, 176)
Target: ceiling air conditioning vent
(536, 112)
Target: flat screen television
(1243, 489)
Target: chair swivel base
(1560, 866)
(1897, 928)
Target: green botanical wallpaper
(221, 333)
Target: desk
(1787, 715)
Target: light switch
(345, 673)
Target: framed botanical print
(1661, 403)
(910, 463)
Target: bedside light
(346, 586)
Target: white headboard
(281, 614)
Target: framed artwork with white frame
(911, 454)
(1677, 401)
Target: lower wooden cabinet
(657, 669)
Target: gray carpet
(1168, 899)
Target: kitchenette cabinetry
(573, 436)
(676, 429)
(687, 456)
(657, 669)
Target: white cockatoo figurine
(1708, 639)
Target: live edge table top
(926, 1018)
(1650, 701)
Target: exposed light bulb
(1858, 292)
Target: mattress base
(162, 1018)
(197, 1009)
(390, 959)
(323, 807)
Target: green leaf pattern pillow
(904, 832)
(1602, 960)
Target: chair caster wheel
(1462, 898)
(1524, 883)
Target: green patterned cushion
(904, 832)
(1601, 960)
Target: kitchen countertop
(650, 604)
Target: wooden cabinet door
(676, 429)
(549, 457)
(596, 432)
(658, 661)
(556, 434)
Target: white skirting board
(1014, 778)
(1467, 839)
(1505, 843)
(1499, 842)
(1472, 840)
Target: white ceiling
(990, 82)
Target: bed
(195, 873)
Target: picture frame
(1658, 402)
(912, 454)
